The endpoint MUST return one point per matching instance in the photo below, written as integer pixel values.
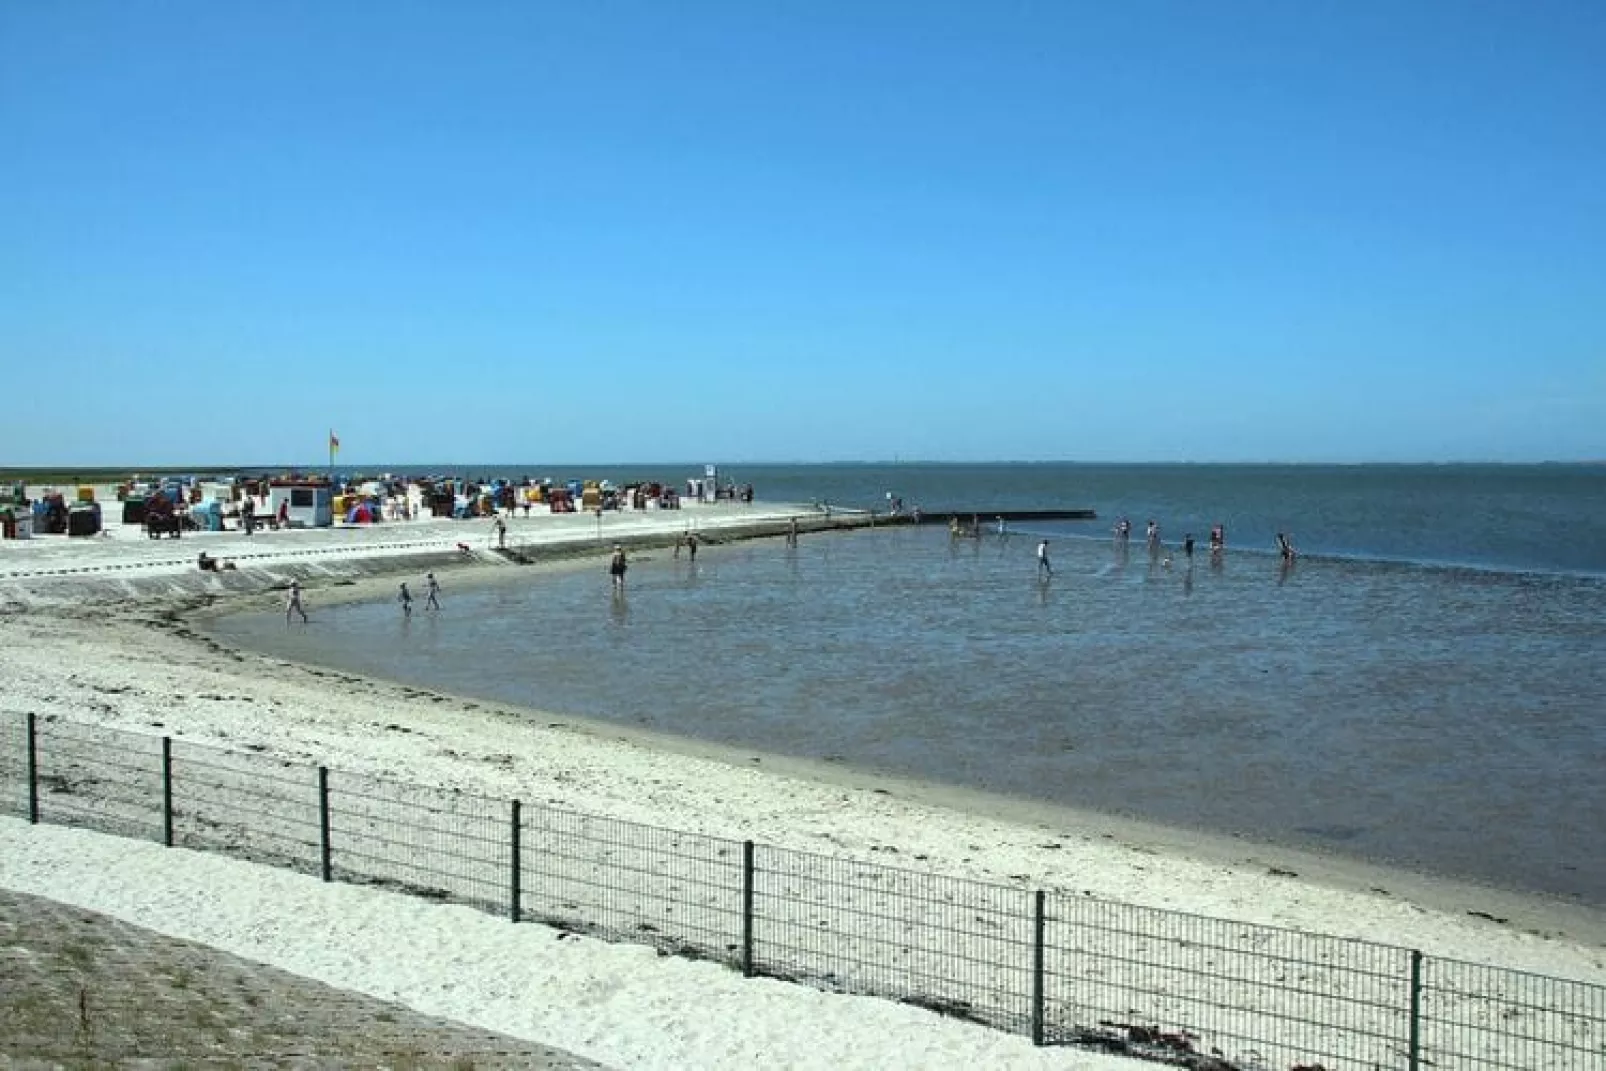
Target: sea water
(1427, 690)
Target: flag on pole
(334, 443)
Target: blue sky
(607, 231)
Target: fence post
(747, 909)
(513, 843)
(167, 791)
(1414, 1053)
(1038, 927)
(33, 769)
(323, 821)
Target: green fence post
(747, 909)
(514, 892)
(1038, 927)
(167, 791)
(323, 821)
(33, 769)
(1414, 1053)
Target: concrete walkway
(82, 990)
(123, 565)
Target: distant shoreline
(113, 474)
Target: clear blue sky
(602, 231)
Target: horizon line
(699, 465)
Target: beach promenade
(94, 630)
(86, 990)
(49, 570)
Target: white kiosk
(310, 502)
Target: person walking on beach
(432, 590)
(500, 529)
(1044, 569)
(691, 545)
(248, 515)
(292, 603)
(617, 566)
(791, 532)
(1218, 539)
(1187, 546)
(405, 597)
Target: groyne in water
(945, 516)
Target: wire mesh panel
(1163, 984)
(679, 892)
(14, 766)
(100, 778)
(435, 843)
(1159, 984)
(246, 805)
(1478, 1017)
(963, 948)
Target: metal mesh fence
(1191, 990)
(100, 778)
(1479, 1017)
(1164, 984)
(443, 845)
(14, 767)
(679, 892)
(960, 947)
(246, 805)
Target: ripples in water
(1440, 718)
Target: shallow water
(1444, 719)
(1538, 518)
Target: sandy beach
(97, 630)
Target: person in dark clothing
(617, 564)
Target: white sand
(77, 656)
(619, 1004)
